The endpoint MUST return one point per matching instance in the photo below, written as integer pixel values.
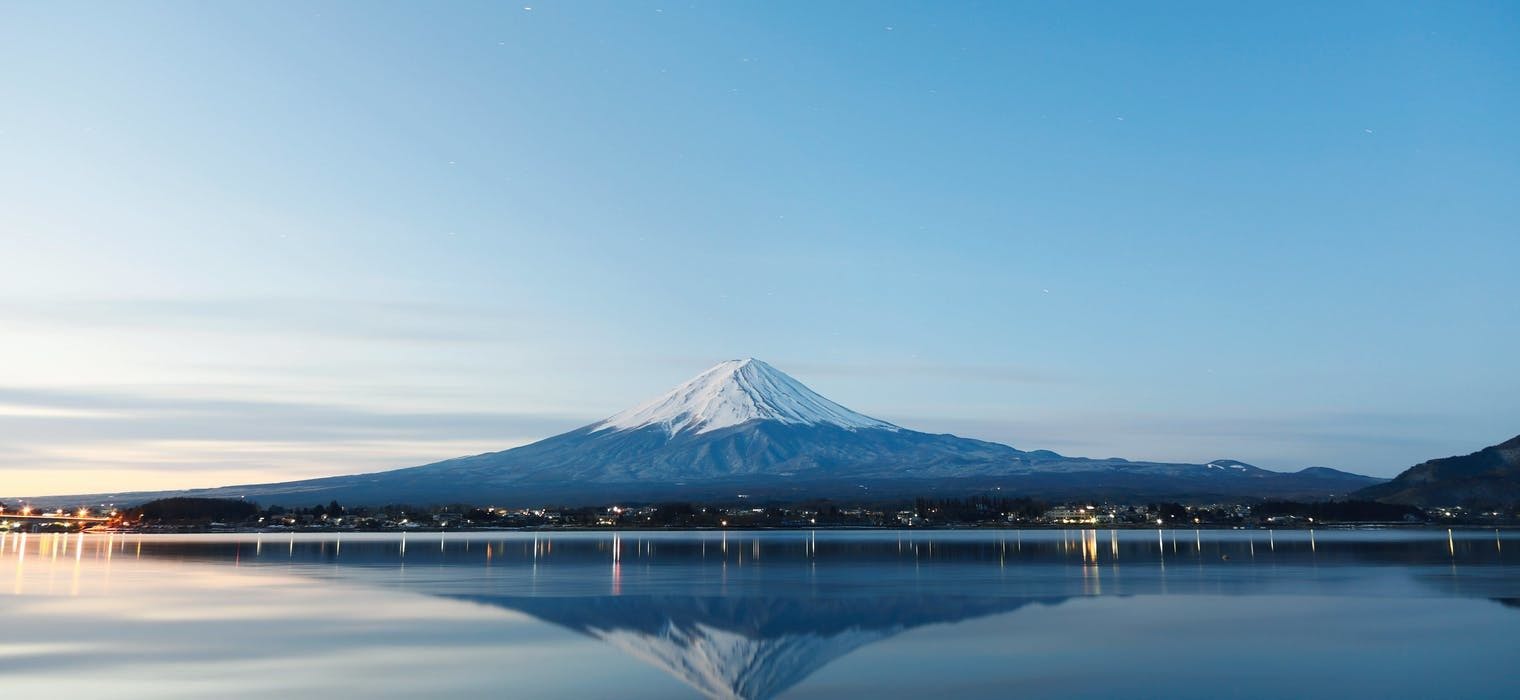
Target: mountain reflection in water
(747, 647)
(759, 614)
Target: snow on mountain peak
(737, 392)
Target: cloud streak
(335, 318)
(1003, 373)
(107, 415)
(1379, 444)
(68, 441)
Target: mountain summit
(745, 428)
(734, 393)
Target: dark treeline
(332, 509)
(194, 510)
(922, 512)
(978, 509)
(1340, 511)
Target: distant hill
(1488, 477)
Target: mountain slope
(1490, 476)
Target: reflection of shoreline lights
(1088, 543)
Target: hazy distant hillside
(1490, 476)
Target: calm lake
(797, 614)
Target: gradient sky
(258, 241)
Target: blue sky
(259, 241)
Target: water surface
(1079, 613)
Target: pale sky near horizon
(250, 242)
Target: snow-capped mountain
(745, 427)
(739, 420)
(734, 393)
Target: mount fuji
(745, 427)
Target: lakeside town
(186, 515)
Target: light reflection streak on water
(78, 563)
(1092, 577)
(20, 561)
(617, 564)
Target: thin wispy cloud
(1382, 443)
(1010, 374)
(109, 439)
(109, 415)
(335, 318)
